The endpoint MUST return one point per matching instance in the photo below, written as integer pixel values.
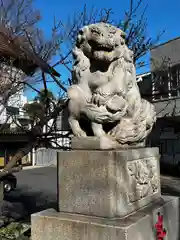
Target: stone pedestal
(52, 225)
(107, 195)
(96, 143)
(108, 183)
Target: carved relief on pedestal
(144, 179)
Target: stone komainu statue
(105, 91)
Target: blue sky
(161, 15)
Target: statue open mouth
(100, 47)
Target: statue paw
(107, 142)
(99, 100)
(80, 133)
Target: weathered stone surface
(105, 90)
(108, 183)
(51, 225)
(85, 143)
(96, 143)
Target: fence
(48, 156)
(45, 157)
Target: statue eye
(123, 36)
(96, 31)
(112, 31)
(81, 32)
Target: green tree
(42, 96)
(41, 106)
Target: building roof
(143, 74)
(165, 55)
(12, 133)
(13, 137)
(161, 44)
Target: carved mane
(109, 94)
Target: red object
(160, 231)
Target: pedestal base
(52, 225)
(107, 183)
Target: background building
(161, 86)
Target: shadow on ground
(32, 202)
(170, 180)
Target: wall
(45, 157)
(26, 160)
(62, 121)
(166, 136)
(144, 82)
(167, 108)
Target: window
(166, 83)
(160, 84)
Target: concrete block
(108, 183)
(52, 225)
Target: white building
(13, 106)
